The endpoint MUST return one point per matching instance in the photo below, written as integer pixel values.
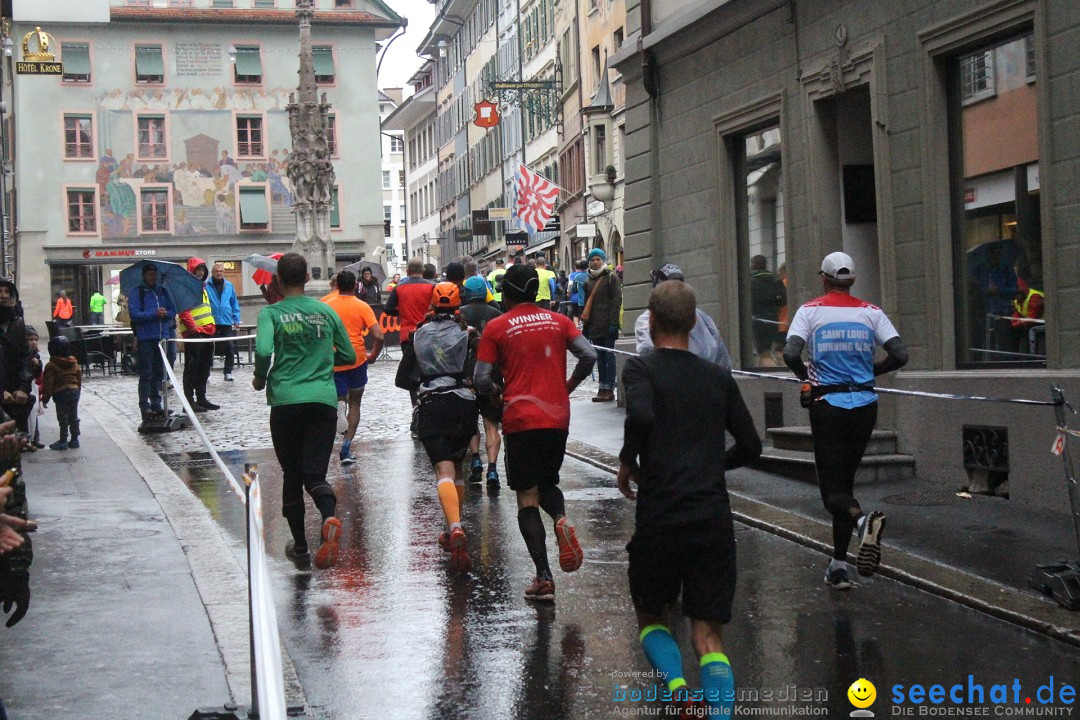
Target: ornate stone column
(310, 170)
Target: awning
(148, 61)
(76, 58)
(541, 246)
(248, 61)
(253, 210)
(324, 61)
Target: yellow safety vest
(202, 314)
(1023, 309)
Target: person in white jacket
(705, 340)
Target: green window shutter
(148, 61)
(324, 61)
(253, 210)
(76, 58)
(248, 61)
(335, 210)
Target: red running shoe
(328, 550)
(570, 554)
(444, 541)
(459, 554)
(541, 590)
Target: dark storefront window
(995, 184)
(762, 247)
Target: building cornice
(243, 16)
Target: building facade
(167, 136)
(415, 120)
(934, 142)
(394, 191)
(590, 150)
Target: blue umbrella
(184, 289)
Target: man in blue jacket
(226, 311)
(154, 317)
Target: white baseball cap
(838, 266)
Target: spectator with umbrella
(156, 291)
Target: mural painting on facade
(194, 151)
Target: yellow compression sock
(448, 497)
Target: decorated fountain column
(310, 170)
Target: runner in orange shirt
(358, 318)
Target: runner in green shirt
(305, 339)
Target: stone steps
(789, 451)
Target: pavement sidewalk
(116, 625)
(978, 552)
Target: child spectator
(63, 380)
(32, 338)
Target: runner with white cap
(840, 332)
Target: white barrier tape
(984, 351)
(211, 340)
(236, 488)
(885, 391)
(267, 658)
(1036, 321)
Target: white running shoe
(869, 557)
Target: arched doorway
(616, 247)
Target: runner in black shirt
(678, 407)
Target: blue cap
(475, 289)
(597, 252)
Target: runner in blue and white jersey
(840, 333)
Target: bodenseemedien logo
(862, 694)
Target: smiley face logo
(862, 693)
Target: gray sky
(401, 61)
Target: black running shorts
(446, 448)
(533, 458)
(488, 409)
(701, 565)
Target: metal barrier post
(164, 352)
(1061, 579)
(249, 472)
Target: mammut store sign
(117, 253)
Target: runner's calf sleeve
(448, 498)
(459, 486)
(532, 530)
(322, 495)
(663, 653)
(551, 500)
(718, 682)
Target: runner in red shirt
(529, 345)
(409, 301)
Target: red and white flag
(536, 196)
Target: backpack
(577, 287)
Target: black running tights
(840, 439)
(303, 437)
